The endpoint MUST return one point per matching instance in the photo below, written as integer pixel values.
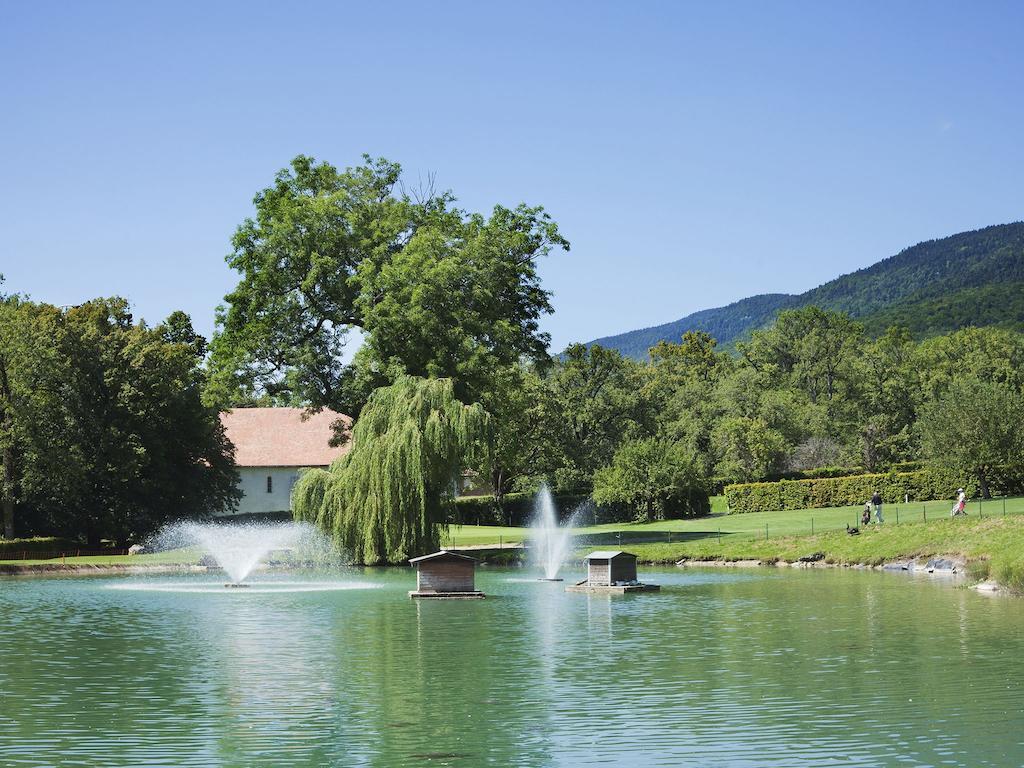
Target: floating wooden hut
(445, 574)
(611, 571)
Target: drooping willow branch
(387, 499)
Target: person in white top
(960, 508)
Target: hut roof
(607, 554)
(444, 553)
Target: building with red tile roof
(272, 445)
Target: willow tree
(388, 498)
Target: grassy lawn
(734, 528)
(970, 537)
(188, 556)
(992, 534)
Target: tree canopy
(810, 393)
(102, 430)
(653, 480)
(432, 290)
(974, 428)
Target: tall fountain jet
(549, 543)
(237, 548)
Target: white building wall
(256, 499)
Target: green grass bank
(990, 538)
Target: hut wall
(623, 569)
(598, 572)
(445, 576)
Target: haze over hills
(971, 278)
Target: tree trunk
(983, 484)
(8, 493)
(92, 538)
(7, 481)
(8, 516)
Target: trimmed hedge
(921, 485)
(516, 508)
(35, 544)
(718, 484)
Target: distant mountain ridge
(937, 286)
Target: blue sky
(694, 153)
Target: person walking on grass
(960, 507)
(876, 502)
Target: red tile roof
(280, 437)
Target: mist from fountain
(239, 548)
(549, 542)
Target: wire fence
(59, 554)
(825, 521)
(892, 514)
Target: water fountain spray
(238, 548)
(549, 543)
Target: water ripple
(768, 668)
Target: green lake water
(721, 668)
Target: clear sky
(694, 153)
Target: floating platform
(469, 595)
(546, 579)
(611, 589)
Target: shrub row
(35, 544)
(515, 509)
(717, 484)
(920, 485)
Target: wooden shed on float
(445, 574)
(611, 571)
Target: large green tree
(813, 347)
(975, 427)
(654, 480)
(520, 405)
(432, 290)
(33, 408)
(889, 397)
(104, 434)
(387, 499)
(987, 354)
(684, 383)
(597, 399)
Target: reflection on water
(257, 587)
(718, 669)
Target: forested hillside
(725, 323)
(971, 278)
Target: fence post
(924, 512)
(1004, 506)
(897, 514)
(812, 526)
(766, 531)
(719, 535)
